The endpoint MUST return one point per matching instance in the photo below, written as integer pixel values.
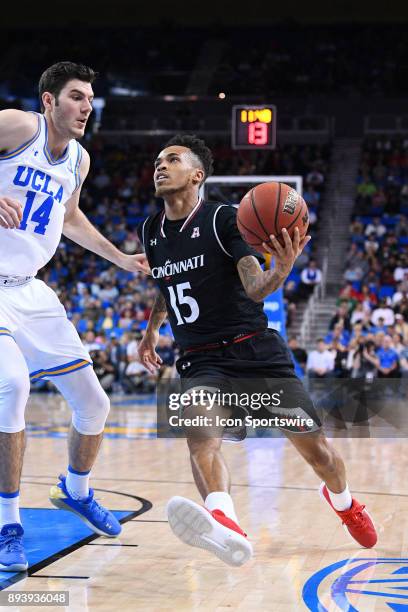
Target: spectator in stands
(384, 312)
(351, 253)
(104, 369)
(342, 316)
(348, 295)
(404, 370)
(320, 362)
(357, 268)
(117, 356)
(401, 228)
(401, 271)
(357, 315)
(101, 180)
(380, 327)
(337, 335)
(401, 327)
(311, 196)
(299, 353)
(126, 318)
(403, 285)
(315, 179)
(311, 277)
(131, 243)
(402, 308)
(136, 377)
(368, 298)
(107, 322)
(371, 245)
(357, 335)
(166, 352)
(360, 360)
(291, 296)
(365, 191)
(398, 343)
(339, 353)
(90, 342)
(356, 231)
(385, 360)
(108, 293)
(337, 343)
(376, 227)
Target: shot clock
(254, 127)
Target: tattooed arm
(258, 283)
(147, 347)
(158, 313)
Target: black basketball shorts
(246, 370)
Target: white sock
(77, 483)
(219, 500)
(9, 508)
(341, 501)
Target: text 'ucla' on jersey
(194, 262)
(42, 185)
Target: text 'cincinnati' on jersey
(194, 263)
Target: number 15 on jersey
(178, 298)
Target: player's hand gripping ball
(268, 208)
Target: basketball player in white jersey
(42, 169)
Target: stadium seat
(386, 291)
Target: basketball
(267, 209)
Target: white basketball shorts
(33, 315)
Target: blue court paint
(339, 580)
(50, 532)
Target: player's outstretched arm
(79, 229)
(147, 347)
(259, 283)
(16, 127)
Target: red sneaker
(356, 520)
(213, 531)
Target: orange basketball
(267, 209)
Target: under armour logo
(196, 233)
(185, 365)
(153, 242)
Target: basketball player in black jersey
(211, 288)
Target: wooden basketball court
(303, 558)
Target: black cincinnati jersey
(193, 262)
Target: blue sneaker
(98, 518)
(12, 555)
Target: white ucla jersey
(42, 185)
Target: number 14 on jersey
(40, 216)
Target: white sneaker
(213, 531)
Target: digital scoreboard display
(254, 127)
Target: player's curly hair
(198, 147)
(56, 76)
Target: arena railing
(386, 124)
(318, 295)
